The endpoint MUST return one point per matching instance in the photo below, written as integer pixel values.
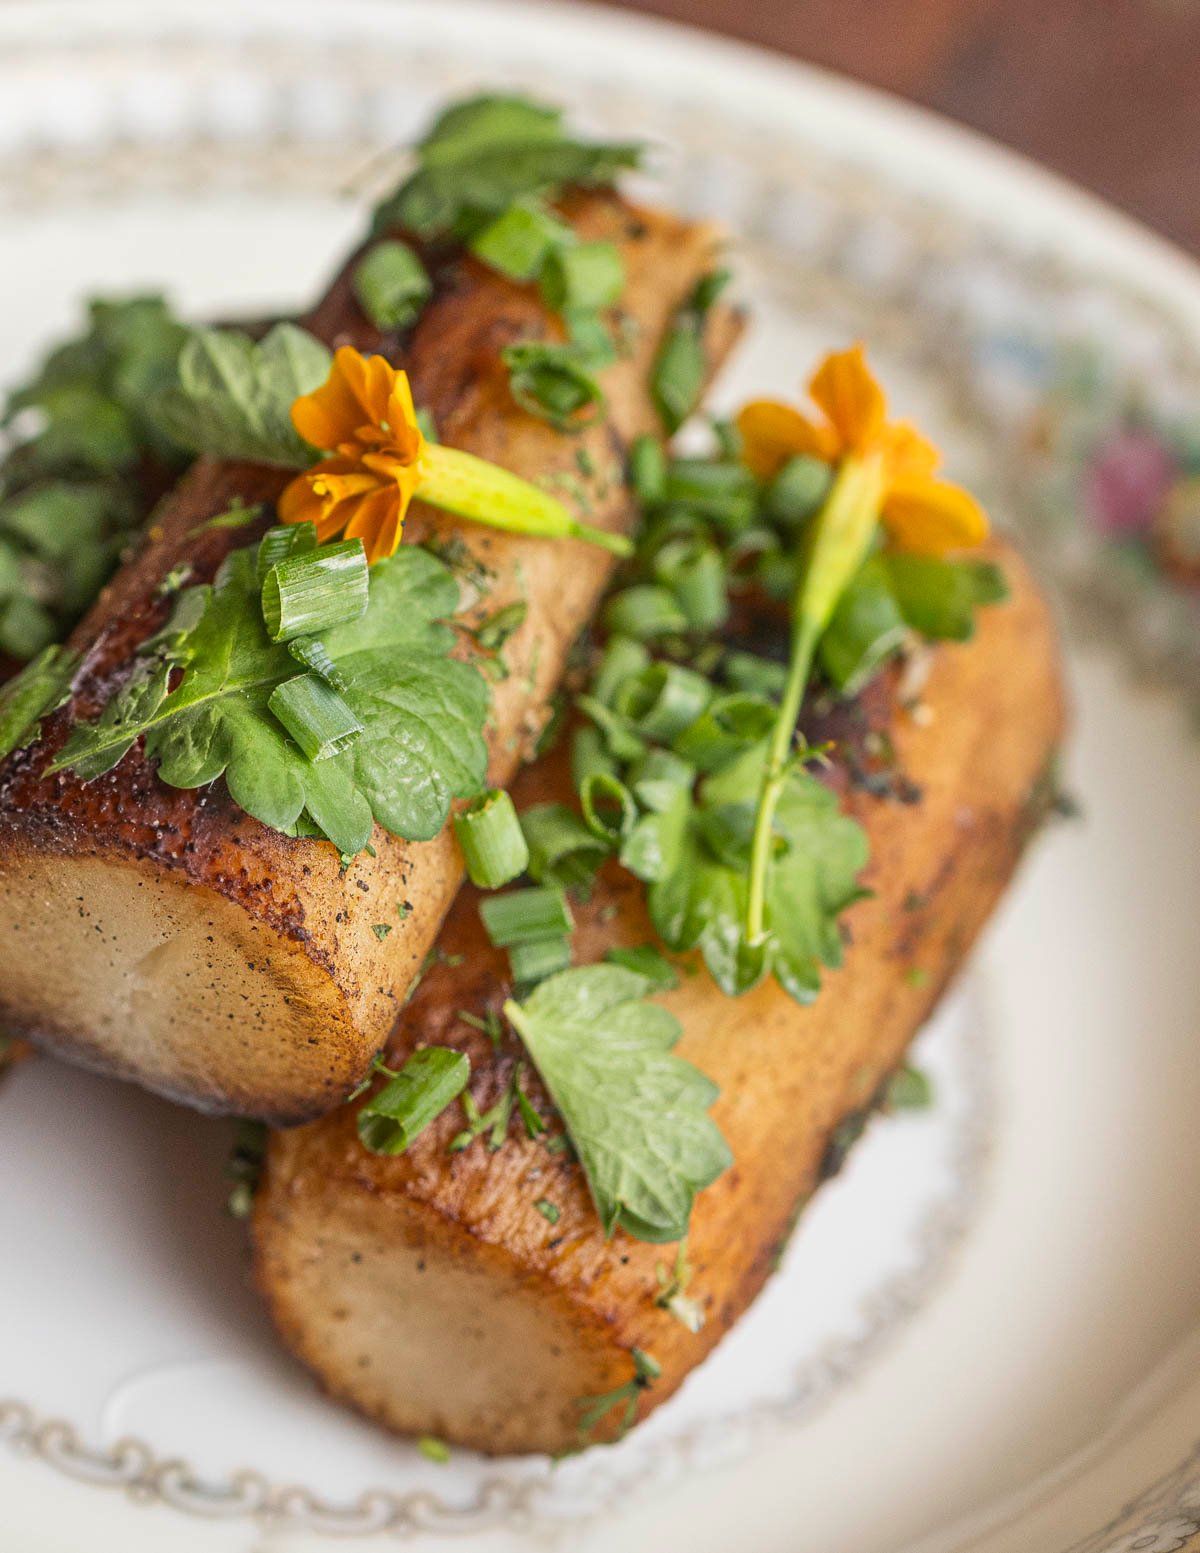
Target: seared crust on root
(163, 935)
(429, 1292)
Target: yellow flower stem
(472, 488)
(837, 544)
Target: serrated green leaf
(939, 597)
(636, 1114)
(41, 686)
(234, 396)
(866, 628)
(422, 713)
(483, 154)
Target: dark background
(1105, 91)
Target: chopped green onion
(590, 276)
(535, 961)
(759, 676)
(493, 845)
(313, 654)
(797, 491)
(662, 766)
(695, 574)
(552, 381)
(562, 849)
(729, 726)
(589, 752)
(649, 961)
(394, 1117)
(644, 611)
(909, 1090)
(777, 571)
(648, 469)
(663, 700)
(590, 336)
(548, 1210)
(307, 593)
(391, 285)
(707, 289)
(315, 715)
(724, 493)
(603, 795)
(524, 916)
(282, 541)
(677, 376)
(729, 438)
(519, 242)
(434, 1449)
(622, 658)
(619, 738)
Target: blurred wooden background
(1105, 91)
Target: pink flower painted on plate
(1127, 482)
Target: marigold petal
(379, 379)
(333, 413)
(772, 433)
(377, 521)
(845, 388)
(909, 455)
(933, 516)
(299, 503)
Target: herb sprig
(84, 445)
(420, 712)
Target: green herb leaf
(42, 686)
(939, 598)
(396, 1115)
(865, 630)
(421, 712)
(234, 396)
(649, 961)
(483, 154)
(635, 1113)
(67, 503)
(909, 1090)
(97, 391)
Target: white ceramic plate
(985, 1334)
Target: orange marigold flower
(919, 512)
(362, 416)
